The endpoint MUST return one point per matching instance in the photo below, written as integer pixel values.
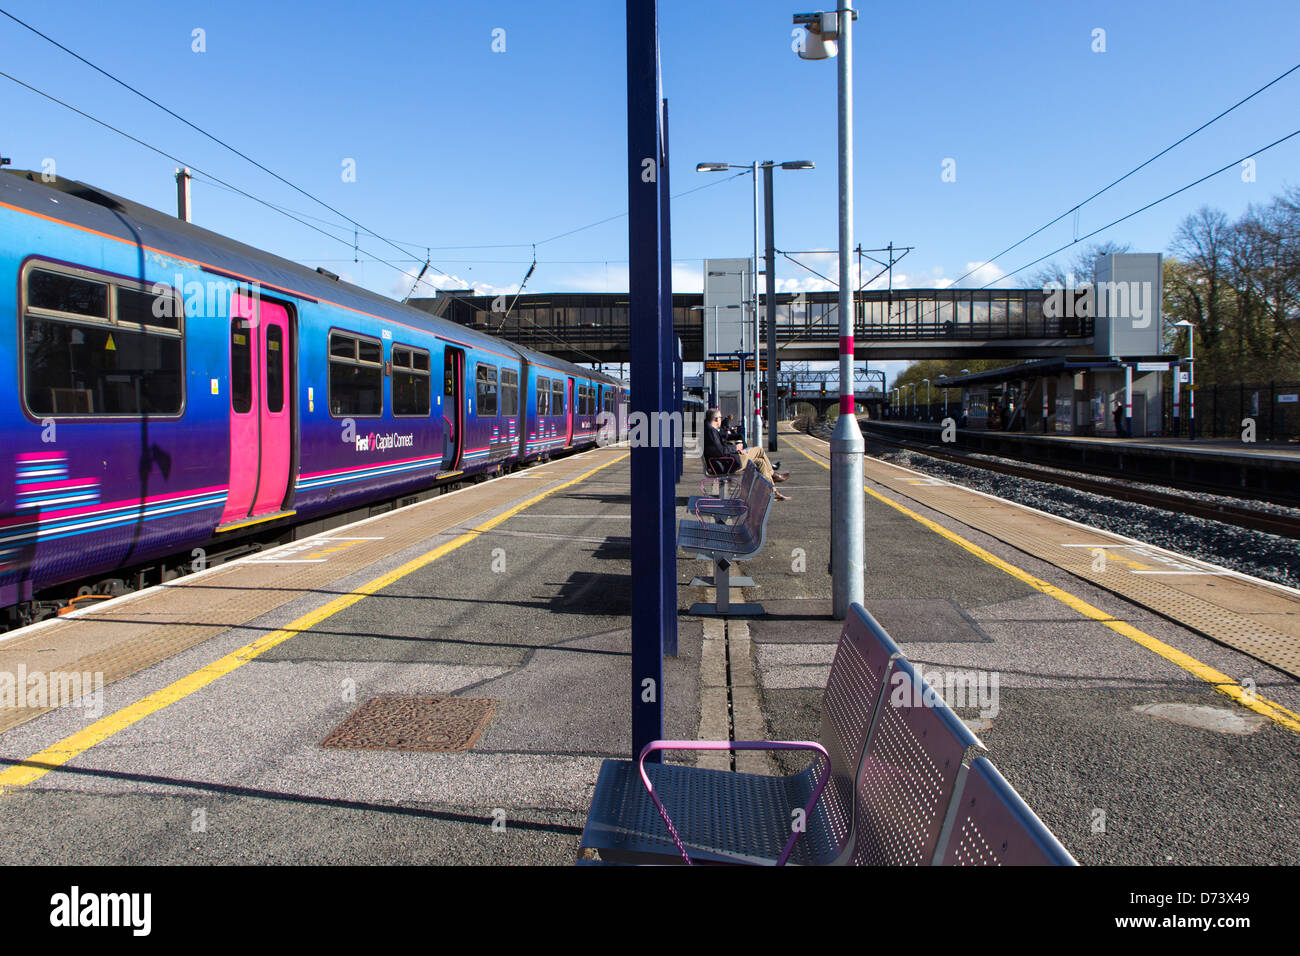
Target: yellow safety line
(38, 765)
(1218, 680)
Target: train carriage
(174, 389)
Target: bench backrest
(909, 774)
(747, 482)
(753, 528)
(993, 826)
(854, 690)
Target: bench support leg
(723, 606)
(740, 581)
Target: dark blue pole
(670, 456)
(678, 383)
(648, 373)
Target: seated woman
(717, 446)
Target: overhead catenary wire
(1078, 206)
(203, 132)
(178, 160)
(1142, 209)
(257, 199)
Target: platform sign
(1289, 399)
(1153, 366)
(733, 365)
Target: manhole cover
(444, 724)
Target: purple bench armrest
(655, 745)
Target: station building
(1079, 394)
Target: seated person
(716, 445)
(731, 433)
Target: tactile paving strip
(150, 627)
(1256, 619)
(441, 724)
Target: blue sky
(458, 146)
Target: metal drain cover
(443, 724)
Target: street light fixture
(827, 34)
(928, 406)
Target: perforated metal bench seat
(721, 817)
(724, 543)
(724, 817)
(707, 507)
(731, 541)
(719, 508)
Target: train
(174, 391)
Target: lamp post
(928, 416)
(770, 258)
(770, 269)
(1191, 378)
(943, 375)
(825, 35)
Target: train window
(557, 397)
(485, 389)
(356, 385)
(241, 366)
(410, 381)
(274, 368)
(509, 392)
(72, 369)
(70, 295)
(146, 308)
(77, 359)
(543, 396)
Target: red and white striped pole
(848, 536)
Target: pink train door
(260, 411)
(568, 415)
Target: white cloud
(434, 282)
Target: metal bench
(720, 472)
(895, 787)
(724, 544)
(913, 767)
(665, 813)
(995, 827)
(720, 509)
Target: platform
(225, 686)
(237, 700)
(1112, 721)
(1265, 469)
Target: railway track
(1241, 516)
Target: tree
(1080, 269)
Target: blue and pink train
(168, 388)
